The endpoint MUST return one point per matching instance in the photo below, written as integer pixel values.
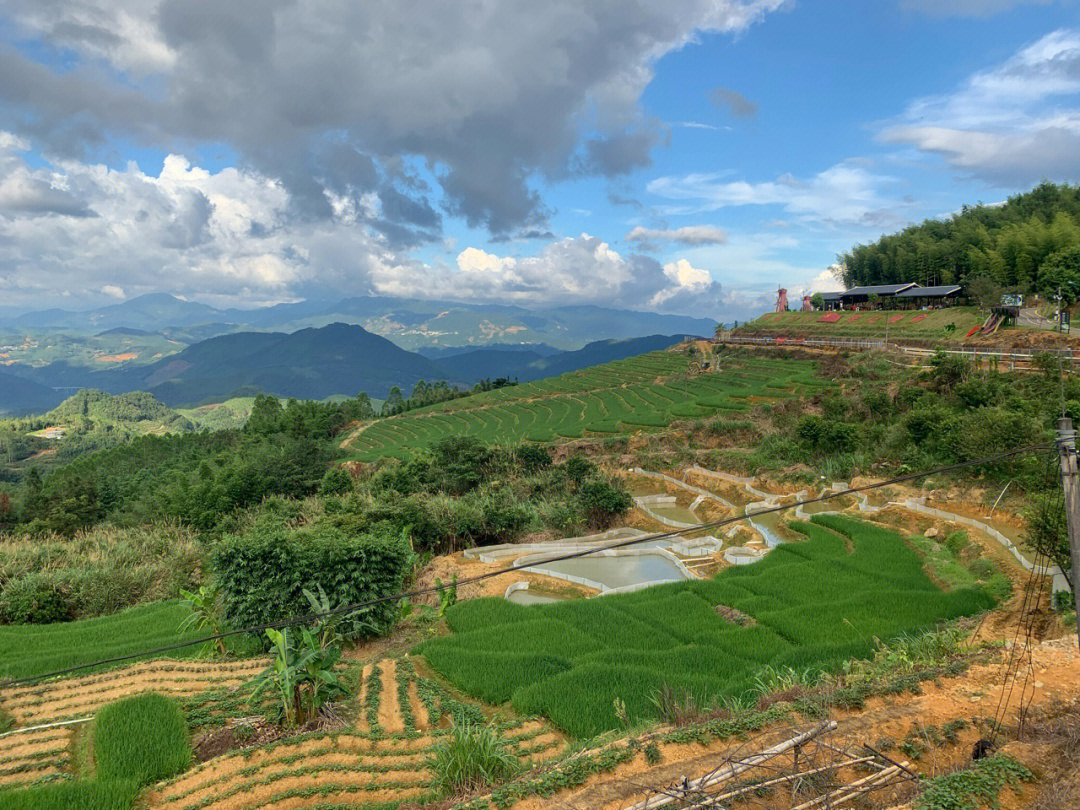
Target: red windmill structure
(781, 300)
(806, 305)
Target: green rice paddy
(816, 603)
(642, 393)
(28, 650)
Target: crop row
(400, 715)
(33, 756)
(648, 392)
(75, 697)
(815, 604)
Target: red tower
(781, 300)
(806, 305)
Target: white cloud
(230, 237)
(1015, 123)
(845, 193)
(688, 235)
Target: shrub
(337, 481)
(472, 757)
(32, 599)
(603, 502)
(141, 739)
(264, 572)
(578, 468)
(956, 542)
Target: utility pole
(1067, 453)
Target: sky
(688, 156)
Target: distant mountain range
(409, 323)
(312, 363)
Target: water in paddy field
(615, 572)
(769, 526)
(528, 597)
(679, 514)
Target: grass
(867, 324)
(816, 604)
(71, 796)
(638, 394)
(31, 650)
(471, 758)
(143, 739)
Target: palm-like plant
(204, 615)
(301, 673)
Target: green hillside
(934, 325)
(1029, 243)
(628, 396)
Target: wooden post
(1067, 453)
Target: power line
(358, 606)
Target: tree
(1048, 530)
(984, 291)
(1061, 271)
(817, 301)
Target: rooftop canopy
(880, 289)
(930, 292)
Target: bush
(337, 481)
(141, 739)
(32, 599)
(956, 542)
(264, 572)
(472, 757)
(603, 502)
(46, 578)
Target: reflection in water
(615, 571)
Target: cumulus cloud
(734, 102)
(573, 270)
(488, 97)
(230, 236)
(687, 235)
(846, 194)
(1014, 124)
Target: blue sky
(683, 157)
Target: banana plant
(204, 615)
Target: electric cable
(359, 606)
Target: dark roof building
(944, 291)
(878, 289)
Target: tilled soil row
(207, 669)
(74, 700)
(29, 756)
(362, 750)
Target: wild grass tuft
(472, 756)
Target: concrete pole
(1067, 453)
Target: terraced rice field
(380, 760)
(648, 392)
(70, 698)
(815, 604)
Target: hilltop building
(893, 296)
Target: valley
(486, 490)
